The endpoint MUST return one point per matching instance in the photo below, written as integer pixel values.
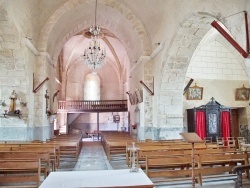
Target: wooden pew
(239, 170)
(174, 168)
(166, 168)
(44, 158)
(170, 149)
(141, 154)
(26, 172)
(67, 148)
(70, 145)
(35, 149)
(114, 142)
(219, 164)
(116, 147)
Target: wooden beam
(247, 35)
(40, 85)
(188, 85)
(230, 39)
(147, 88)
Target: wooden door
(235, 123)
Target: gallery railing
(93, 106)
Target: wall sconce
(24, 104)
(2, 103)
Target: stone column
(41, 120)
(62, 117)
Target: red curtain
(225, 124)
(200, 124)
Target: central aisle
(93, 157)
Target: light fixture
(94, 56)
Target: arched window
(92, 87)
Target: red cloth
(225, 125)
(201, 124)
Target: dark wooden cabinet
(212, 119)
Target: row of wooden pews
(70, 145)
(171, 160)
(36, 158)
(115, 142)
(174, 168)
(166, 148)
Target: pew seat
(20, 173)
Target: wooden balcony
(92, 106)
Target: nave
(92, 157)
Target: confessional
(210, 120)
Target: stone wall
(16, 73)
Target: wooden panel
(235, 123)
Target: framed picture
(195, 93)
(139, 95)
(131, 98)
(135, 98)
(242, 94)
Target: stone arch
(137, 25)
(174, 67)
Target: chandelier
(94, 56)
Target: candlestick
(133, 149)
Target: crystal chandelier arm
(94, 56)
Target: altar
(99, 178)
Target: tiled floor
(92, 157)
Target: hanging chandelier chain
(95, 11)
(94, 57)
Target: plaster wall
(219, 69)
(224, 93)
(87, 122)
(110, 85)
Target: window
(92, 87)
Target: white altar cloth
(98, 178)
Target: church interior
(177, 98)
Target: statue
(13, 98)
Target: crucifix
(47, 99)
(133, 149)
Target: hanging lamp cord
(95, 11)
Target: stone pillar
(247, 63)
(62, 117)
(43, 128)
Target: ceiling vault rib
(118, 63)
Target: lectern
(192, 138)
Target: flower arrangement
(134, 126)
(3, 103)
(48, 112)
